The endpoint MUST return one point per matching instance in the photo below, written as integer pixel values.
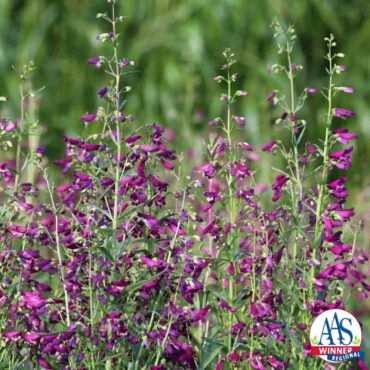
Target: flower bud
(242, 93)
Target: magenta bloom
(278, 186)
(96, 61)
(242, 93)
(347, 89)
(32, 300)
(102, 92)
(93, 60)
(11, 334)
(10, 126)
(271, 95)
(311, 149)
(247, 147)
(343, 136)
(343, 113)
(338, 188)
(44, 364)
(149, 148)
(342, 158)
(31, 337)
(311, 90)
(213, 122)
(167, 164)
(240, 120)
(154, 263)
(150, 221)
(345, 214)
(88, 118)
(209, 170)
(63, 188)
(269, 146)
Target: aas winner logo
(336, 336)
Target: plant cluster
(118, 268)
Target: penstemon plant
(118, 268)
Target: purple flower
(311, 148)
(102, 92)
(239, 120)
(132, 139)
(345, 214)
(247, 147)
(338, 188)
(347, 89)
(278, 186)
(283, 116)
(31, 337)
(32, 300)
(149, 148)
(200, 315)
(160, 264)
(88, 118)
(97, 61)
(340, 248)
(150, 221)
(269, 146)
(213, 122)
(242, 93)
(41, 150)
(343, 136)
(44, 364)
(343, 113)
(271, 96)
(342, 159)
(209, 170)
(311, 90)
(167, 164)
(10, 126)
(11, 334)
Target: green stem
(118, 131)
(57, 241)
(322, 184)
(295, 198)
(19, 141)
(231, 202)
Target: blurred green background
(177, 47)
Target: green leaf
(123, 246)
(107, 254)
(139, 284)
(209, 354)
